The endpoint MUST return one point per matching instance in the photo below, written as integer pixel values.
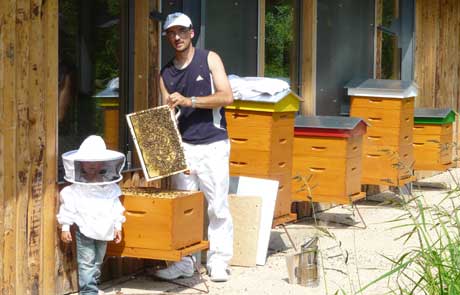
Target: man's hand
(66, 237)
(117, 238)
(177, 99)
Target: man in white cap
(195, 81)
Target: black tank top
(197, 126)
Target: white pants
(209, 173)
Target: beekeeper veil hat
(93, 163)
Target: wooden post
(141, 54)
(50, 198)
(37, 143)
(426, 26)
(23, 152)
(308, 58)
(7, 146)
(261, 40)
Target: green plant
(432, 266)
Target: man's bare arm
(164, 93)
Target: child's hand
(66, 237)
(117, 238)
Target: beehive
(261, 133)
(160, 224)
(388, 107)
(327, 159)
(433, 138)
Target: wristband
(193, 99)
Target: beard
(185, 47)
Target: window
(389, 64)
(282, 41)
(89, 70)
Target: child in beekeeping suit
(92, 203)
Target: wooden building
(331, 43)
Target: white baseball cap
(177, 19)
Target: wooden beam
(261, 40)
(8, 129)
(141, 54)
(36, 105)
(23, 143)
(308, 57)
(427, 35)
(447, 60)
(49, 253)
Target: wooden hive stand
(261, 135)
(433, 135)
(327, 159)
(388, 107)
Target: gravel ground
(350, 256)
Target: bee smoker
(303, 266)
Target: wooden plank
(154, 61)
(308, 57)
(36, 102)
(3, 64)
(8, 61)
(445, 57)
(261, 40)
(246, 223)
(141, 45)
(427, 14)
(2, 200)
(58, 265)
(23, 143)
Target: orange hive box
(327, 159)
(261, 133)
(160, 224)
(433, 138)
(388, 107)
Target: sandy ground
(349, 259)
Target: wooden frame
(147, 144)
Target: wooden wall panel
(23, 152)
(427, 15)
(26, 88)
(447, 56)
(2, 200)
(37, 142)
(437, 59)
(8, 61)
(50, 253)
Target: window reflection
(281, 41)
(89, 47)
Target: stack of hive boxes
(327, 159)
(388, 108)
(261, 134)
(433, 144)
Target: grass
(432, 266)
